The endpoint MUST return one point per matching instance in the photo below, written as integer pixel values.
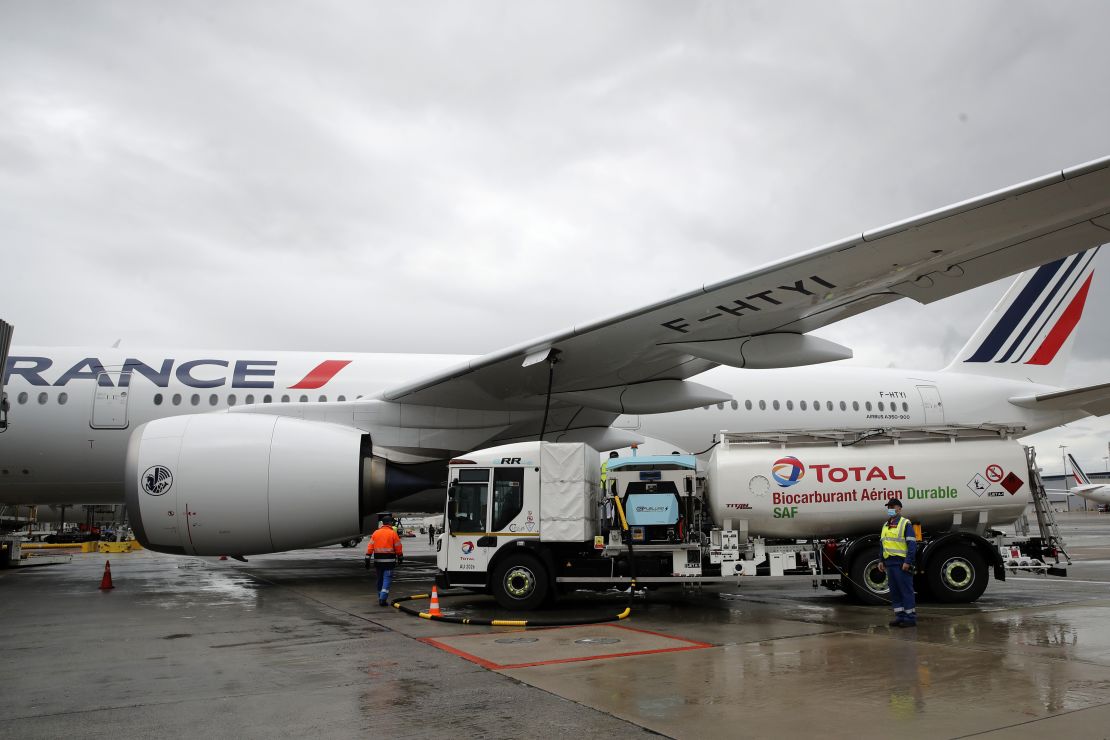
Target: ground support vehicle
(529, 520)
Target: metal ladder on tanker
(1046, 518)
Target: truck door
(930, 399)
(467, 517)
(515, 510)
(109, 409)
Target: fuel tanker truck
(531, 520)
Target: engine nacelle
(242, 484)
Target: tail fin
(1029, 334)
(1077, 473)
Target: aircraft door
(467, 518)
(930, 400)
(109, 409)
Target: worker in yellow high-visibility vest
(899, 548)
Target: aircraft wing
(638, 361)
(1094, 399)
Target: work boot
(907, 623)
(898, 622)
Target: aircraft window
(157, 399)
(816, 405)
(62, 398)
(342, 398)
(868, 405)
(249, 398)
(23, 397)
(267, 398)
(881, 406)
(231, 400)
(323, 399)
(789, 405)
(855, 405)
(748, 405)
(176, 399)
(775, 405)
(762, 405)
(802, 406)
(304, 399)
(213, 399)
(285, 399)
(905, 406)
(194, 399)
(735, 405)
(42, 397)
(828, 405)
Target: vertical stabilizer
(1077, 473)
(1029, 334)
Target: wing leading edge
(926, 258)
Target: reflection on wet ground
(295, 643)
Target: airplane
(1098, 493)
(250, 452)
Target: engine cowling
(242, 484)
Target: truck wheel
(351, 542)
(519, 582)
(956, 575)
(865, 582)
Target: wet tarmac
(294, 644)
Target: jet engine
(242, 484)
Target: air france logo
(157, 480)
(467, 548)
(787, 471)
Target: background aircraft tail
(1029, 334)
(1077, 473)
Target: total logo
(467, 547)
(789, 470)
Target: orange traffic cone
(433, 608)
(106, 581)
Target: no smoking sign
(994, 473)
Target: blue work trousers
(385, 578)
(901, 590)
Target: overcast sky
(456, 177)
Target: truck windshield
(469, 499)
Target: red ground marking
(691, 645)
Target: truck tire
(351, 542)
(956, 575)
(864, 581)
(519, 582)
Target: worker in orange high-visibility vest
(385, 549)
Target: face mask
(890, 512)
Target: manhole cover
(516, 640)
(597, 641)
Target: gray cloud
(438, 177)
